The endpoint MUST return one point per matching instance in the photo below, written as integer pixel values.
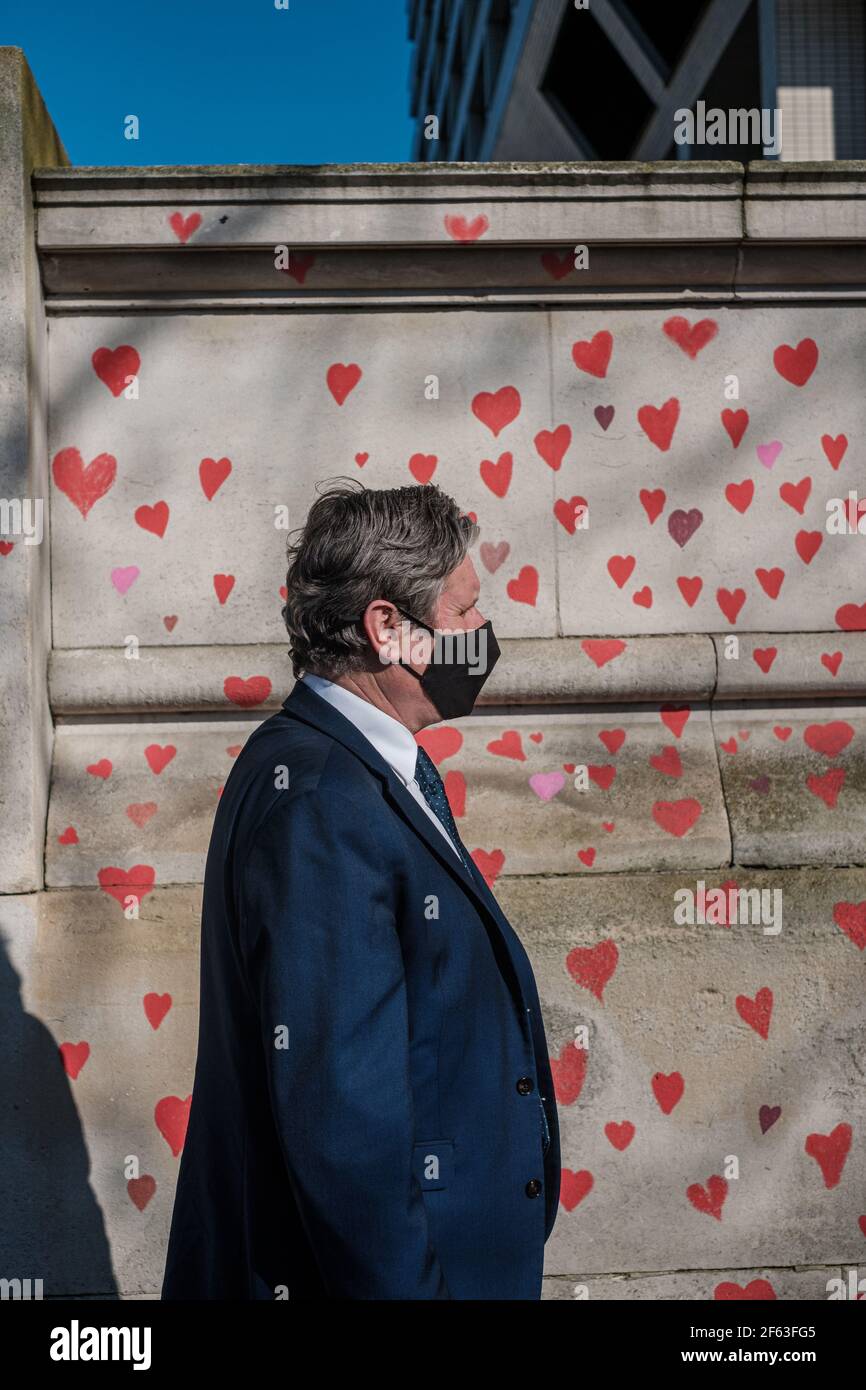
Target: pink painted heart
(124, 576)
(492, 556)
(547, 785)
(140, 812)
(768, 453)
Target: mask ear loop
(418, 623)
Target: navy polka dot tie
(433, 790)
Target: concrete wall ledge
(543, 671)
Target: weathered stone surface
(795, 785)
(538, 671)
(672, 1006)
(553, 793)
(27, 137)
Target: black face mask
(452, 682)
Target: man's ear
(382, 626)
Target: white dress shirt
(391, 739)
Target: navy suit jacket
(365, 1118)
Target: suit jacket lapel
(305, 704)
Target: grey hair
(359, 544)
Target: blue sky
(214, 82)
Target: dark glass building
(611, 79)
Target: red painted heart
(117, 368)
(83, 486)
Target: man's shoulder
(286, 761)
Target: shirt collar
(388, 736)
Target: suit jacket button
(525, 1085)
(533, 1187)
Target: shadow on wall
(51, 1225)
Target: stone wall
(649, 444)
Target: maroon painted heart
(683, 525)
(604, 414)
(767, 1116)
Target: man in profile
(373, 1114)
